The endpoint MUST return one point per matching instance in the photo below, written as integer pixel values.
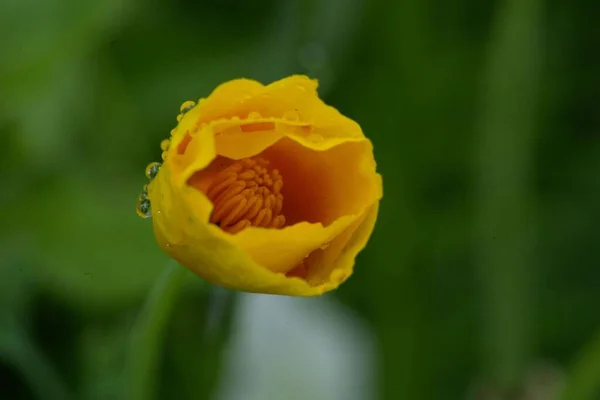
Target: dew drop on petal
(291, 116)
(313, 137)
(254, 115)
(164, 145)
(325, 245)
(143, 209)
(152, 169)
(187, 106)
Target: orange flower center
(247, 193)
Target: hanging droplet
(164, 145)
(143, 209)
(152, 169)
(143, 196)
(163, 155)
(187, 106)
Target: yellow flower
(264, 189)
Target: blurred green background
(481, 281)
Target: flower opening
(247, 193)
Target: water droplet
(179, 117)
(306, 129)
(254, 115)
(164, 145)
(163, 155)
(291, 115)
(143, 196)
(143, 209)
(152, 169)
(187, 106)
(313, 137)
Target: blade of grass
(146, 337)
(505, 225)
(38, 372)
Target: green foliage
(484, 117)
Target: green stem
(148, 333)
(506, 219)
(584, 380)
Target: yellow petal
(335, 263)
(227, 98)
(292, 99)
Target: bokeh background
(481, 281)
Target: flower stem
(147, 334)
(506, 221)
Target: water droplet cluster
(143, 208)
